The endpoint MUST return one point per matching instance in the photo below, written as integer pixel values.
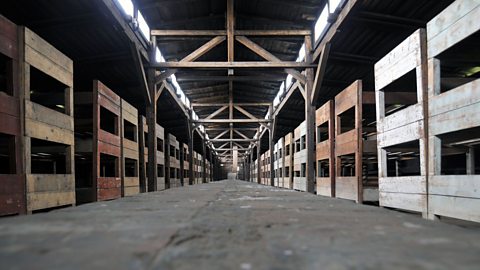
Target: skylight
(127, 7)
(333, 4)
(301, 53)
(321, 23)
(143, 26)
(158, 56)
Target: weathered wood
(455, 110)
(351, 143)
(46, 190)
(12, 189)
(454, 24)
(129, 149)
(325, 149)
(230, 30)
(404, 126)
(230, 65)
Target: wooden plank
(398, 120)
(407, 201)
(410, 132)
(462, 118)
(39, 113)
(403, 184)
(44, 64)
(39, 130)
(50, 182)
(348, 98)
(452, 25)
(455, 185)
(8, 38)
(109, 149)
(43, 47)
(204, 49)
(456, 207)
(464, 95)
(346, 188)
(44, 200)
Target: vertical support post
(271, 146)
(235, 161)
(259, 167)
(309, 118)
(191, 174)
(471, 161)
(167, 160)
(204, 166)
(250, 167)
(211, 165)
(230, 30)
(151, 122)
(182, 162)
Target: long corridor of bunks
(356, 109)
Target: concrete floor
(233, 225)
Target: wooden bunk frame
(102, 187)
(143, 135)
(45, 191)
(458, 109)
(275, 166)
(173, 162)
(288, 161)
(12, 189)
(279, 162)
(299, 178)
(352, 143)
(325, 149)
(186, 164)
(129, 149)
(405, 126)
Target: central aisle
(233, 225)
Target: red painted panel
(12, 195)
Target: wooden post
(204, 165)
(191, 174)
(310, 119)
(259, 167)
(182, 160)
(151, 122)
(230, 30)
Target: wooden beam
(204, 49)
(217, 112)
(320, 74)
(159, 92)
(193, 56)
(241, 134)
(188, 33)
(259, 104)
(199, 78)
(142, 77)
(244, 112)
(268, 56)
(207, 33)
(233, 140)
(230, 30)
(230, 65)
(228, 121)
(274, 33)
(221, 134)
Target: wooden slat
(452, 25)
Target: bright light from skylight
(282, 89)
(143, 26)
(127, 7)
(276, 100)
(175, 84)
(321, 23)
(289, 81)
(333, 4)
(158, 56)
(301, 53)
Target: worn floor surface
(233, 225)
